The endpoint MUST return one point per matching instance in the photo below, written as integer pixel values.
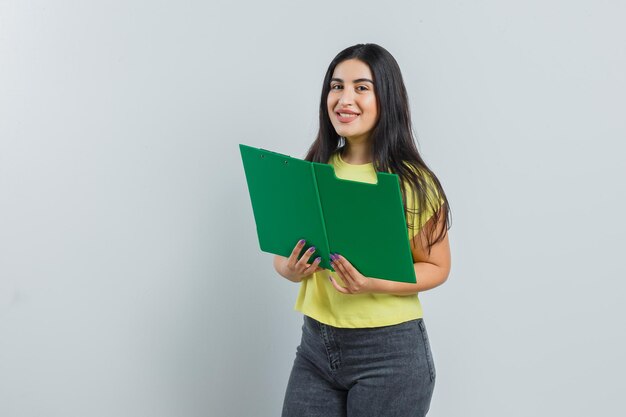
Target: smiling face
(351, 100)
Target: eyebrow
(358, 80)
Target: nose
(346, 97)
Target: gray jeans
(381, 371)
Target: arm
(430, 271)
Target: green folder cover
(294, 199)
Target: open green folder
(294, 199)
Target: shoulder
(426, 187)
(424, 177)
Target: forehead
(352, 69)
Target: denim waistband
(315, 324)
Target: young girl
(364, 348)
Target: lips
(346, 117)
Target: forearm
(427, 275)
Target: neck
(357, 151)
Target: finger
(313, 267)
(349, 284)
(345, 274)
(306, 255)
(295, 252)
(347, 265)
(337, 286)
(335, 266)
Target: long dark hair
(393, 144)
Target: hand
(297, 269)
(355, 282)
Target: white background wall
(131, 280)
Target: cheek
(371, 105)
(329, 106)
(372, 110)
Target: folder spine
(321, 210)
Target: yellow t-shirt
(318, 298)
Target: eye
(332, 87)
(364, 88)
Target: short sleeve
(419, 218)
